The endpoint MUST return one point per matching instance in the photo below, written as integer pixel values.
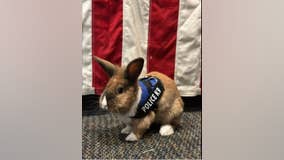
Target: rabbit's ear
(134, 69)
(108, 67)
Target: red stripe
(163, 23)
(106, 37)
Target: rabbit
(122, 95)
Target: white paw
(166, 130)
(131, 137)
(126, 130)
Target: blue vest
(152, 90)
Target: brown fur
(170, 106)
(141, 125)
(120, 103)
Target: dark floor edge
(90, 105)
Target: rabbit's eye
(119, 90)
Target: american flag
(166, 33)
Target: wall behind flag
(166, 33)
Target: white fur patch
(125, 118)
(166, 130)
(133, 108)
(126, 130)
(104, 102)
(131, 137)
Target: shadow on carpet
(101, 139)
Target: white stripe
(188, 48)
(135, 31)
(87, 48)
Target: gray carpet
(101, 139)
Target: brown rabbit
(124, 94)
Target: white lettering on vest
(151, 100)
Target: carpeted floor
(102, 140)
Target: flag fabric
(166, 33)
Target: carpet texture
(101, 139)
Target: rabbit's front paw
(131, 137)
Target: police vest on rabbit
(152, 90)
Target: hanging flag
(166, 33)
